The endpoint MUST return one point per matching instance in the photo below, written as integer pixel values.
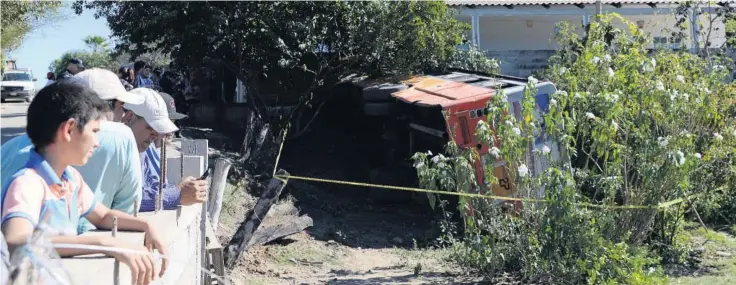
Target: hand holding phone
(206, 174)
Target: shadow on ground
(348, 214)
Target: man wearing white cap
(114, 170)
(149, 121)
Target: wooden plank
(215, 259)
(283, 229)
(239, 242)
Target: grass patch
(298, 253)
(722, 269)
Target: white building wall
(523, 38)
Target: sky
(43, 46)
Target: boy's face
(80, 144)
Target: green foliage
(18, 18)
(473, 59)
(291, 47)
(96, 44)
(633, 128)
(91, 59)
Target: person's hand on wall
(192, 191)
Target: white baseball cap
(107, 85)
(153, 110)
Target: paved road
(13, 120)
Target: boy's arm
(17, 231)
(102, 217)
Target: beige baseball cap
(107, 85)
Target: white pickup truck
(18, 84)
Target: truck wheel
(379, 109)
(381, 92)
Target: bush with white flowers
(634, 128)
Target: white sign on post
(198, 147)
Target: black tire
(380, 109)
(3, 100)
(381, 92)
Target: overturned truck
(424, 113)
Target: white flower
(686, 96)
(553, 102)
(663, 141)
(718, 136)
(436, 159)
(697, 100)
(707, 91)
(614, 97)
(577, 95)
(563, 70)
(523, 170)
(698, 155)
(681, 78)
(596, 60)
(570, 183)
(660, 85)
(429, 152)
(546, 149)
(607, 57)
(615, 125)
(680, 158)
(419, 164)
(533, 80)
(495, 152)
(516, 131)
(610, 72)
(509, 123)
(654, 62)
(590, 115)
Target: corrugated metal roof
(432, 91)
(562, 2)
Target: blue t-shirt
(113, 172)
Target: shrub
(633, 128)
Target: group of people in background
(89, 155)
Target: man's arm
(131, 182)
(171, 194)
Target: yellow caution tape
(662, 205)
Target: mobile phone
(205, 175)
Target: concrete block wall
(182, 229)
(522, 62)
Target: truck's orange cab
(464, 98)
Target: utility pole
(598, 8)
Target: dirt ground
(354, 240)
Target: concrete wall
(182, 229)
(522, 62)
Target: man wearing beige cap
(114, 170)
(149, 121)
